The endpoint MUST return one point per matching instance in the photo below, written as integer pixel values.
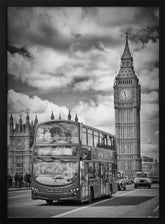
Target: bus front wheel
(49, 202)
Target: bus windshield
(59, 132)
(54, 172)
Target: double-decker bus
(72, 161)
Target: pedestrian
(20, 179)
(16, 180)
(29, 179)
(10, 180)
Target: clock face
(125, 95)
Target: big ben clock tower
(127, 102)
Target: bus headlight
(35, 189)
(74, 190)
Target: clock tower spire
(127, 102)
(126, 52)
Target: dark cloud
(77, 35)
(145, 25)
(22, 51)
(33, 26)
(18, 86)
(136, 16)
(80, 79)
(28, 28)
(146, 16)
(143, 34)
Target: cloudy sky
(62, 58)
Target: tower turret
(11, 123)
(20, 123)
(27, 119)
(126, 53)
(69, 115)
(27, 122)
(59, 116)
(76, 118)
(126, 58)
(36, 121)
(52, 116)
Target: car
(142, 179)
(121, 181)
(121, 184)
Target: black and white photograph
(82, 112)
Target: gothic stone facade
(127, 102)
(19, 152)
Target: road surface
(133, 203)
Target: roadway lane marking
(156, 208)
(20, 204)
(77, 209)
(15, 205)
(18, 196)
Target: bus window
(102, 141)
(112, 142)
(96, 138)
(105, 143)
(90, 137)
(84, 136)
(91, 170)
(107, 171)
(99, 142)
(103, 170)
(114, 169)
(110, 171)
(109, 142)
(97, 170)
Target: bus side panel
(97, 189)
(84, 181)
(107, 191)
(114, 187)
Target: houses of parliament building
(127, 103)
